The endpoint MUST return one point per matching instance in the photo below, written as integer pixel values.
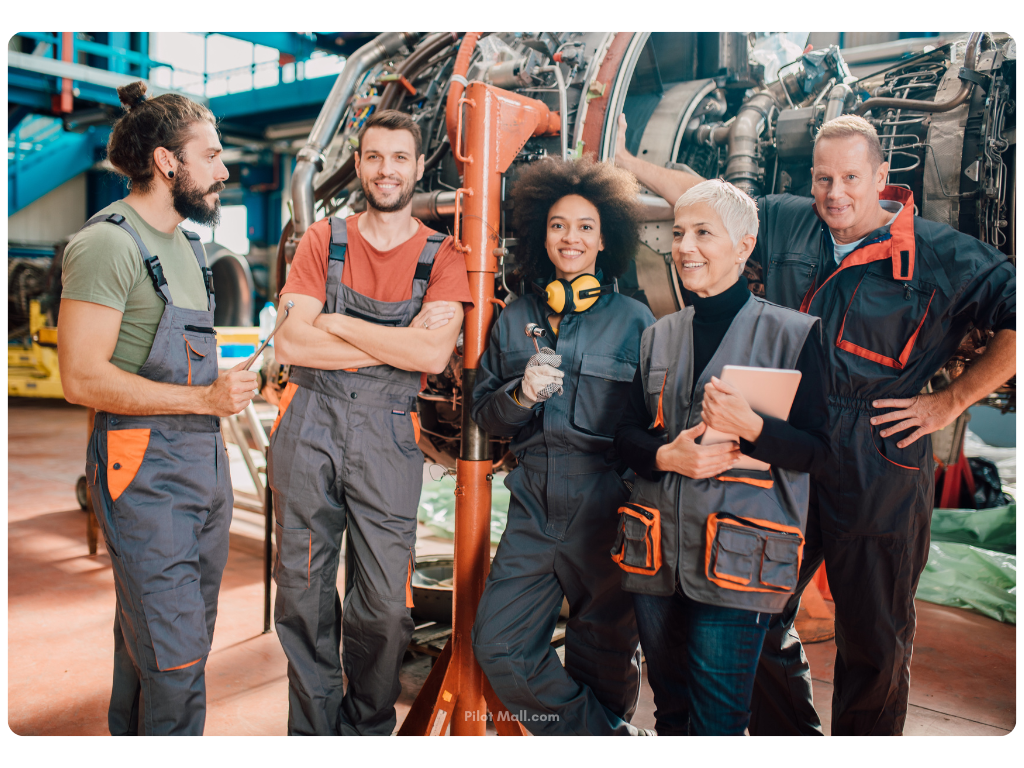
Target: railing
(118, 59)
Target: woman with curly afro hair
(577, 224)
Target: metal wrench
(287, 309)
(535, 332)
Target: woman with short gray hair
(710, 550)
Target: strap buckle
(208, 279)
(156, 273)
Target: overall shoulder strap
(197, 249)
(425, 264)
(156, 272)
(339, 239)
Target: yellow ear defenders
(577, 296)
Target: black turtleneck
(800, 444)
(711, 319)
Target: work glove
(542, 378)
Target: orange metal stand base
(456, 692)
(498, 124)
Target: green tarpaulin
(972, 562)
(437, 507)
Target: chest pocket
(790, 276)
(883, 320)
(200, 344)
(602, 393)
(513, 362)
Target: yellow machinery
(32, 370)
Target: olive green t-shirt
(102, 265)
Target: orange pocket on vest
(125, 450)
(752, 555)
(637, 547)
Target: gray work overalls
(561, 524)
(161, 490)
(344, 456)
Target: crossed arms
(334, 341)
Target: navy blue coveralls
(561, 523)
(893, 313)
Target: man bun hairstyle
(164, 121)
(846, 126)
(611, 190)
(393, 120)
(132, 95)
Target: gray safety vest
(735, 540)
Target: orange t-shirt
(381, 275)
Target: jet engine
(695, 101)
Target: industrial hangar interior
(289, 111)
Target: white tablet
(768, 391)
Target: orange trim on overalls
(768, 484)
(729, 581)
(286, 400)
(901, 238)
(894, 463)
(182, 666)
(659, 421)
(849, 346)
(188, 349)
(415, 425)
(408, 585)
(125, 451)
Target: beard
(405, 192)
(189, 201)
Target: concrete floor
(60, 608)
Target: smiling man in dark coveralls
(896, 294)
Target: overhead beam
(300, 93)
(84, 74)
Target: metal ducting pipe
(233, 286)
(431, 206)
(970, 62)
(743, 169)
(310, 159)
(837, 99)
(713, 134)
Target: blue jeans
(701, 662)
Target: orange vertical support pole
(473, 499)
(67, 50)
(498, 124)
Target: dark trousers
(701, 662)
(871, 524)
(597, 691)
